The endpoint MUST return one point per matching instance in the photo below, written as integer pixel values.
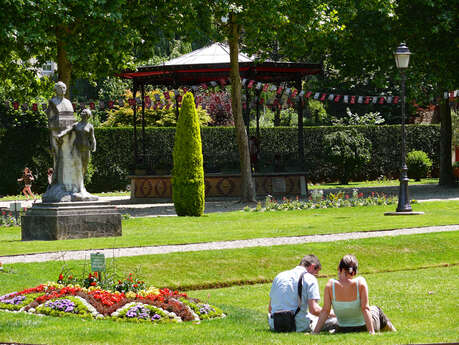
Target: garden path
(256, 242)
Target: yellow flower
(130, 294)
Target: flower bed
(148, 305)
(318, 200)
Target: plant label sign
(97, 262)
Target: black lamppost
(402, 60)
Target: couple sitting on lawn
(348, 295)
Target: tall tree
(362, 53)
(431, 31)
(253, 27)
(86, 38)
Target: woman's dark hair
(349, 264)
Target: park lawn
(241, 225)
(38, 196)
(419, 303)
(185, 271)
(366, 184)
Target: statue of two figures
(71, 146)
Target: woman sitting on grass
(349, 297)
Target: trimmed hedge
(188, 173)
(348, 151)
(278, 146)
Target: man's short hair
(309, 260)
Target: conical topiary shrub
(188, 173)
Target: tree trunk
(247, 185)
(64, 66)
(446, 170)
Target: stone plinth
(70, 220)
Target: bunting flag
(272, 97)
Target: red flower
(61, 277)
(93, 284)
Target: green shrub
(188, 191)
(348, 151)
(419, 164)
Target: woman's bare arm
(325, 310)
(365, 305)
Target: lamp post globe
(402, 60)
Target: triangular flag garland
(212, 94)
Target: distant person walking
(50, 175)
(27, 178)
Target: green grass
(22, 197)
(420, 302)
(366, 184)
(241, 225)
(227, 267)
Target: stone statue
(71, 144)
(60, 116)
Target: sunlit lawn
(420, 301)
(242, 225)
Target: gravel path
(257, 242)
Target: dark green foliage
(348, 151)
(22, 118)
(24, 147)
(112, 162)
(188, 191)
(419, 164)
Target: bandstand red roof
(213, 63)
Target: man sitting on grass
(286, 311)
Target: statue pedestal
(70, 220)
